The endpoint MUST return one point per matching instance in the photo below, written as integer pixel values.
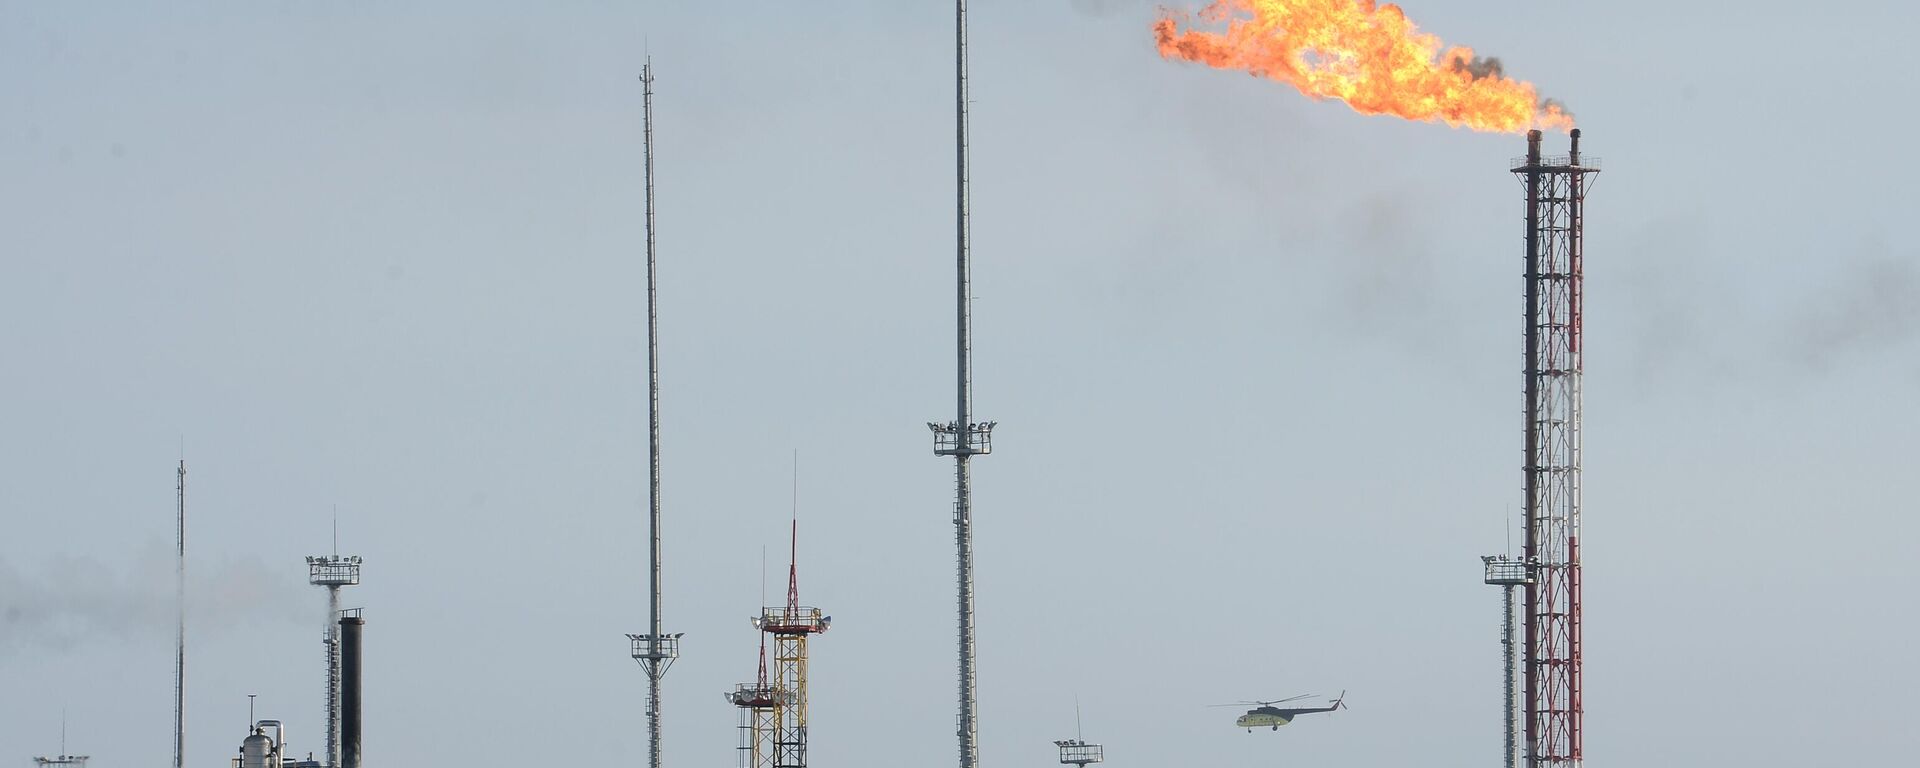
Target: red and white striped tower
(1556, 201)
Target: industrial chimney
(350, 627)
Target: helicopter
(1265, 713)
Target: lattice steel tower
(1551, 699)
(963, 438)
(333, 572)
(791, 625)
(757, 702)
(655, 650)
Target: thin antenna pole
(968, 730)
(653, 366)
(250, 720)
(793, 561)
(180, 625)
(763, 635)
(659, 650)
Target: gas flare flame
(1371, 57)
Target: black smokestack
(350, 690)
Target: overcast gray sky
(1255, 360)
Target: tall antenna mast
(180, 626)
(763, 601)
(790, 626)
(963, 438)
(793, 552)
(654, 650)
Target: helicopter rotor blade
(1285, 700)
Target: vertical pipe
(1576, 249)
(350, 690)
(180, 627)
(1531, 508)
(968, 730)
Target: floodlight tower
(1556, 205)
(1508, 574)
(963, 438)
(790, 626)
(655, 650)
(333, 572)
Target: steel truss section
(1556, 195)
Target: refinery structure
(1549, 571)
(1541, 628)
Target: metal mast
(180, 626)
(963, 438)
(757, 700)
(654, 650)
(790, 626)
(1508, 574)
(1556, 197)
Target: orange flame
(1372, 58)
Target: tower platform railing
(655, 647)
(801, 620)
(947, 438)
